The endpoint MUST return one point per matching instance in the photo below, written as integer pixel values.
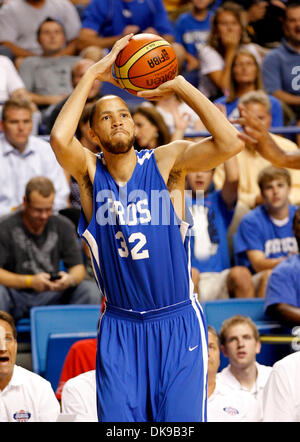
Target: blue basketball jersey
(140, 248)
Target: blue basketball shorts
(152, 366)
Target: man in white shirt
(79, 397)
(23, 156)
(24, 396)
(224, 404)
(281, 398)
(240, 342)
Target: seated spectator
(281, 401)
(264, 20)
(191, 30)
(281, 65)
(212, 274)
(251, 163)
(228, 34)
(80, 358)
(175, 112)
(33, 245)
(282, 300)
(23, 156)
(25, 396)
(20, 19)
(151, 129)
(265, 235)
(104, 22)
(48, 76)
(240, 343)
(12, 86)
(78, 70)
(79, 397)
(258, 138)
(245, 76)
(223, 403)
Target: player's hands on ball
(165, 90)
(103, 68)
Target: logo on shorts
(231, 411)
(22, 416)
(193, 348)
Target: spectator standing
(20, 19)
(240, 342)
(33, 244)
(23, 156)
(25, 396)
(265, 235)
(105, 21)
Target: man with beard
(281, 71)
(152, 346)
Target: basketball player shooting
(152, 348)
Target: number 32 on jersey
(137, 251)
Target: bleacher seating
(272, 349)
(53, 330)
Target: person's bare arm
(205, 154)
(259, 138)
(231, 182)
(89, 37)
(286, 313)
(68, 150)
(17, 50)
(259, 262)
(287, 98)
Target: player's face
(51, 37)
(17, 127)
(244, 70)
(261, 113)
(37, 210)
(146, 133)
(8, 351)
(199, 180)
(240, 346)
(213, 354)
(292, 25)
(276, 193)
(113, 126)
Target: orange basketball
(146, 62)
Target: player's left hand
(165, 90)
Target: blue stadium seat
(60, 319)
(219, 310)
(58, 346)
(23, 330)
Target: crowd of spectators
(245, 243)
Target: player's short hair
(4, 316)
(15, 103)
(41, 184)
(235, 320)
(271, 173)
(258, 96)
(49, 20)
